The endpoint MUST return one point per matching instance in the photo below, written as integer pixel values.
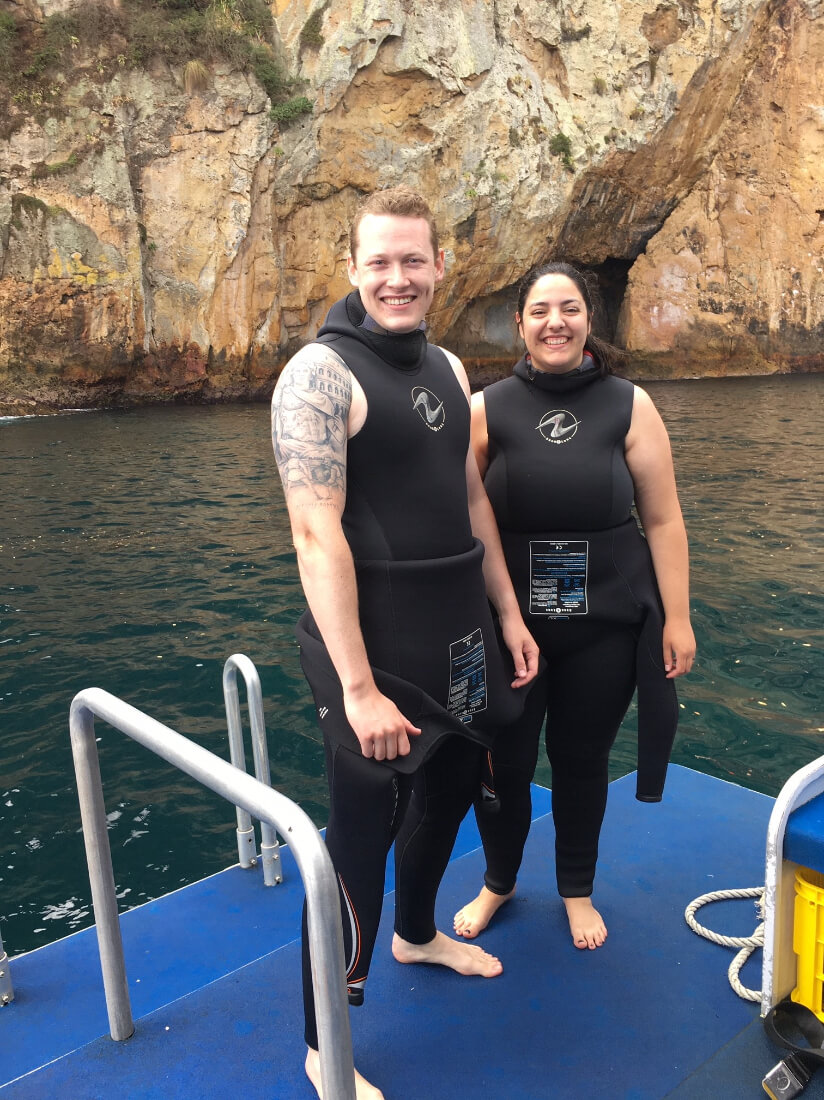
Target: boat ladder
(269, 847)
(258, 800)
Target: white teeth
(557, 342)
(398, 301)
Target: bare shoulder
(478, 407)
(479, 432)
(459, 369)
(644, 413)
(647, 441)
(317, 371)
(310, 411)
(640, 398)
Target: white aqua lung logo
(429, 407)
(558, 426)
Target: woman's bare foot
(585, 923)
(475, 916)
(460, 957)
(363, 1090)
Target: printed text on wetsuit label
(467, 676)
(558, 578)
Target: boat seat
(795, 838)
(804, 836)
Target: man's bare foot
(460, 957)
(585, 923)
(363, 1090)
(475, 916)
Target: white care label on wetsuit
(558, 578)
(467, 676)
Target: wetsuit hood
(575, 379)
(348, 317)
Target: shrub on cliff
(101, 38)
(310, 34)
(561, 146)
(183, 30)
(290, 109)
(195, 76)
(8, 42)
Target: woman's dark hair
(606, 355)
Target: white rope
(748, 944)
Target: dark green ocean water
(138, 549)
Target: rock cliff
(161, 242)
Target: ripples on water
(138, 549)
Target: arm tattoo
(310, 409)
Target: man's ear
(352, 271)
(439, 265)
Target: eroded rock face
(734, 280)
(156, 244)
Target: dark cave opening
(485, 335)
(612, 276)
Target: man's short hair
(399, 202)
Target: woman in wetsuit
(566, 448)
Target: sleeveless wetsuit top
(405, 469)
(556, 456)
(422, 606)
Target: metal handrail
(269, 847)
(311, 856)
(6, 988)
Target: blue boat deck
(214, 976)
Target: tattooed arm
(313, 411)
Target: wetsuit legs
(588, 695)
(504, 827)
(367, 802)
(442, 794)
(584, 694)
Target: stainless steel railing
(269, 848)
(314, 864)
(6, 988)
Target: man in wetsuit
(371, 434)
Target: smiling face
(554, 324)
(395, 268)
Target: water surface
(138, 549)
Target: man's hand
(380, 727)
(523, 649)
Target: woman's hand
(523, 648)
(679, 648)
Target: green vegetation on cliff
(100, 39)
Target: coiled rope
(747, 944)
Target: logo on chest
(558, 426)
(429, 408)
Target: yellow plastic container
(808, 940)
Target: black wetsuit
(429, 636)
(562, 495)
